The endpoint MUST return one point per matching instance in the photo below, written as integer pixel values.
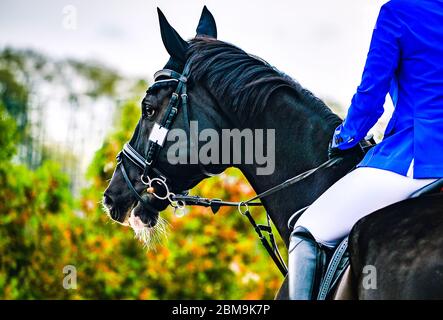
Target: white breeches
(362, 191)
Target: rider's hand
(334, 150)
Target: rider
(406, 59)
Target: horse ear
(172, 41)
(206, 25)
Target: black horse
(227, 89)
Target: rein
(271, 247)
(153, 177)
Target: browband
(170, 74)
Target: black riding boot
(307, 261)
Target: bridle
(152, 176)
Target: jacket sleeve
(381, 63)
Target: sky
(321, 43)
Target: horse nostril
(107, 201)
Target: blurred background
(72, 75)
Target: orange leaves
(87, 205)
(196, 250)
(228, 234)
(145, 294)
(209, 230)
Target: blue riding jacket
(405, 59)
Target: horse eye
(150, 112)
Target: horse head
(122, 200)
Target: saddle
(335, 281)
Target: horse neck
(302, 134)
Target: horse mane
(243, 81)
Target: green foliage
(25, 76)
(103, 80)
(13, 95)
(28, 202)
(9, 135)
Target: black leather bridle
(153, 177)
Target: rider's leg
(307, 263)
(330, 218)
(364, 190)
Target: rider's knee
(298, 235)
(301, 232)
